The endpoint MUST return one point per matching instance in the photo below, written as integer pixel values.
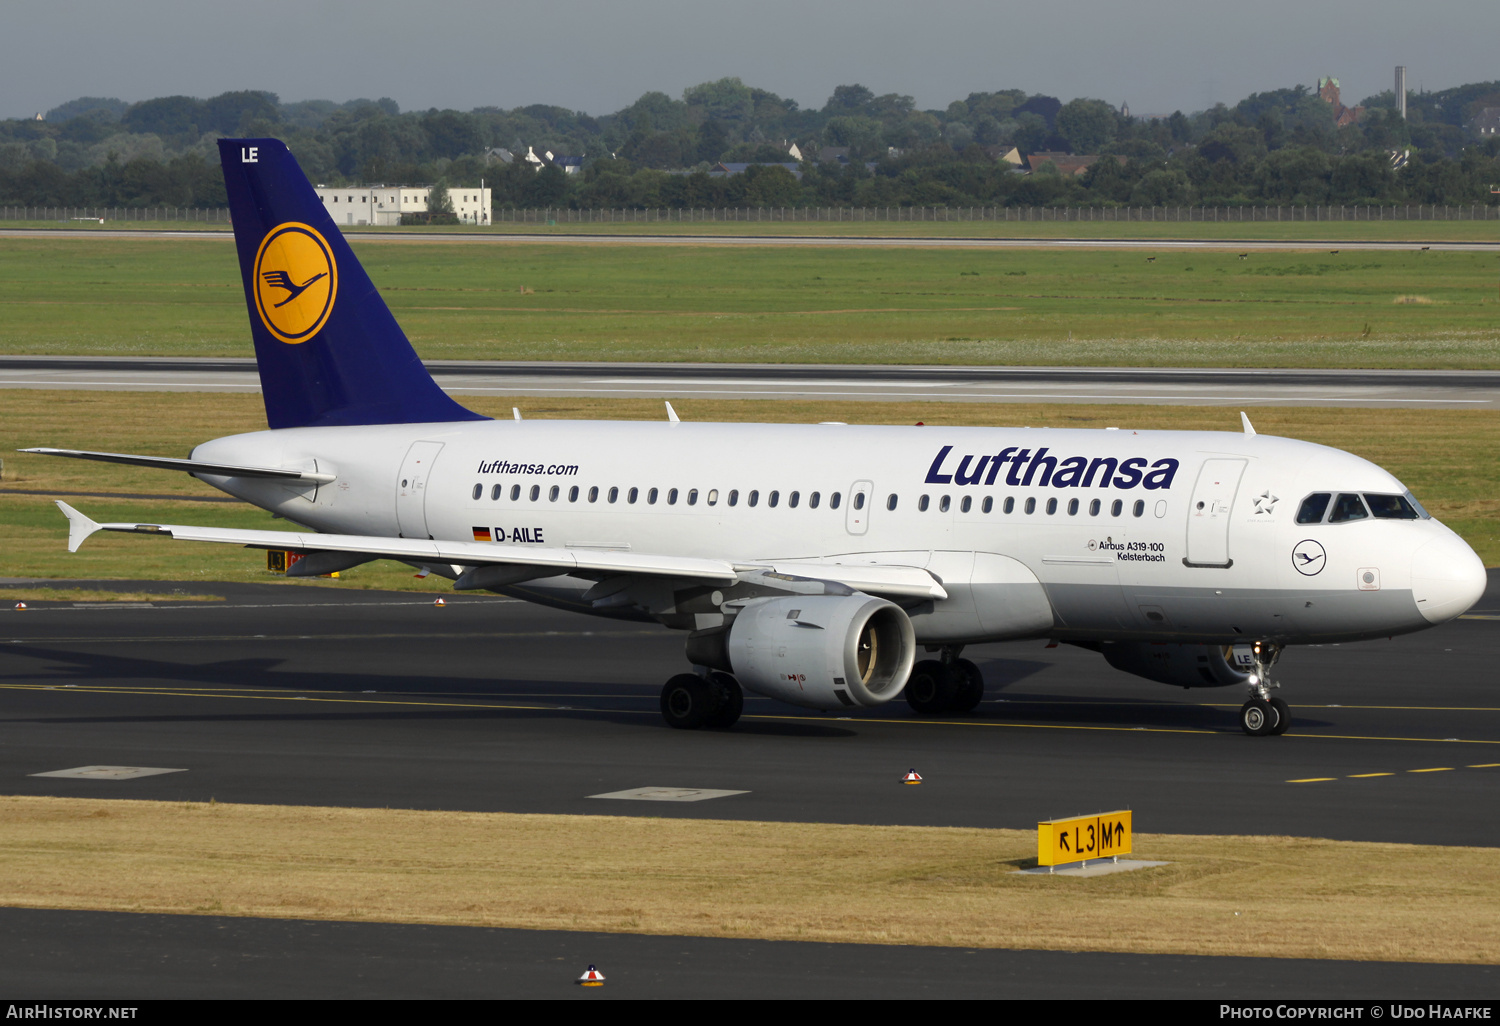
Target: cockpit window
(1313, 507)
(1409, 497)
(1347, 506)
(1391, 507)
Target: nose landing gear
(1264, 714)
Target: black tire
(970, 690)
(1284, 716)
(731, 701)
(687, 702)
(930, 687)
(1258, 717)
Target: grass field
(790, 305)
(718, 878)
(1448, 458)
(1289, 231)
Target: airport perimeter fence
(751, 215)
(214, 215)
(1346, 212)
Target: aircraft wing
(877, 580)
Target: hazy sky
(599, 55)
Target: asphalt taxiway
(314, 695)
(1240, 387)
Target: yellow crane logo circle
(296, 281)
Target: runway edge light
(1080, 838)
(20, 606)
(591, 978)
(441, 601)
(912, 777)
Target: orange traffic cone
(912, 777)
(440, 602)
(591, 978)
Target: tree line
(1278, 147)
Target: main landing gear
(945, 685)
(1263, 714)
(691, 702)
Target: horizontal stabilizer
(189, 466)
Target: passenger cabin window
(536, 491)
(713, 497)
(734, 496)
(573, 494)
(594, 494)
(989, 503)
(773, 498)
(692, 496)
(943, 504)
(552, 493)
(1391, 507)
(1010, 504)
(1139, 509)
(1030, 506)
(495, 493)
(859, 500)
(671, 497)
(753, 497)
(793, 499)
(1094, 508)
(515, 492)
(633, 495)
(651, 497)
(1347, 506)
(1116, 508)
(1072, 507)
(833, 500)
(478, 491)
(1051, 506)
(614, 492)
(922, 504)
(813, 499)
(890, 501)
(966, 505)
(1313, 507)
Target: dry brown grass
(1275, 896)
(24, 594)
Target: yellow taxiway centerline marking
(1357, 776)
(1432, 769)
(289, 696)
(1484, 765)
(1311, 780)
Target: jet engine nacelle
(822, 651)
(1184, 666)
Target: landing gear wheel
(970, 689)
(930, 688)
(688, 702)
(731, 701)
(1259, 717)
(1284, 716)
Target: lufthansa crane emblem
(1309, 558)
(296, 281)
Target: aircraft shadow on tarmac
(262, 675)
(258, 676)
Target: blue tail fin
(328, 349)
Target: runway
(814, 241)
(1380, 389)
(313, 695)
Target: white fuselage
(1076, 534)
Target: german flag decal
(482, 534)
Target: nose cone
(1446, 578)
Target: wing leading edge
(904, 581)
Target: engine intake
(822, 651)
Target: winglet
(79, 526)
(1245, 420)
(672, 414)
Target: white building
(384, 204)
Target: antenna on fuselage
(672, 415)
(516, 411)
(1245, 420)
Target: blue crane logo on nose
(1308, 557)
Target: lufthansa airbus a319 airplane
(813, 563)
